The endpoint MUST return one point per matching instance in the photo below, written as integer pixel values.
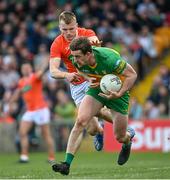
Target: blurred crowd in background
(138, 29)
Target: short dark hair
(81, 43)
(27, 62)
(67, 17)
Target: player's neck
(27, 75)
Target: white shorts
(39, 117)
(79, 91)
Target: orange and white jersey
(32, 92)
(60, 49)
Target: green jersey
(108, 61)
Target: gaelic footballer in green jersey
(108, 61)
(96, 62)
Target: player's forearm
(15, 96)
(130, 77)
(128, 83)
(57, 74)
(42, 69)
(54, 69)
(44, 66)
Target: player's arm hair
(130, 77)
(54, 69)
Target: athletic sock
(24, 157)
(69, 158)
(126, 145)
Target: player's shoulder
(84, 31)
(57, 43)
(104, 53)
(21, 82)
(106, 50)
(58, 39)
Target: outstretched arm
(15, 96)
(41, 70)
(57, 74)
(54, 69)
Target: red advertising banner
(151, 135)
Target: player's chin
(69, 38)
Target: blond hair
(67, 17)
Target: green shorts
(120, 105)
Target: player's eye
(77, 57)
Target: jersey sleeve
(119, 66)
(55, 50)
(116, 63)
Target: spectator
(64, 109)
(136, 109)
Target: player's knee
(22, 133)
(81, 122)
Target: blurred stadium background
(138, 29)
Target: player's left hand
(96, 43)
(111, 95)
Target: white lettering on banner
(166, 141)
(151, 138)
(138, 143)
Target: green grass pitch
(94, 165)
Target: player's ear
(76, 24)
(88, 53)
(60, 26)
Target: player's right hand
(93, 82)
(96, 43)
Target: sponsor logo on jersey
(121, 64)
(26, 88)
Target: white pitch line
(159, 168)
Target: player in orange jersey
(60, 52)
(31, 88)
